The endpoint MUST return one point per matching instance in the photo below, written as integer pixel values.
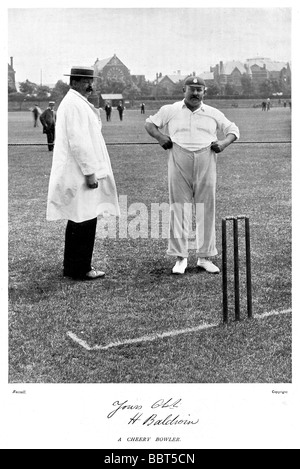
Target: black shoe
(93, 274)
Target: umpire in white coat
(82, 185)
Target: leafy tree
(178, 89)
(27, 87)
(276, 86)
(246, 83)
(42, 93)
(266, 88)
(213, 89)
(146, 89)
(111, 85)
(132, 91)
(59, 91)
(229, 89)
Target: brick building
(259, 69)
(229, 73)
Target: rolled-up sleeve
(161, 118)
(228, 127)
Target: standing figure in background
(36, 111)
(108, 111)
(143, 108)
(268, 104)
(120, 109)
(48, 120)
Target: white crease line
(272, 313)
(150, 338)
(146, 338)
(79, 341)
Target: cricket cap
(194, 81)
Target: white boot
(206, 264)
(180, 266)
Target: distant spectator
(268, 104)
(143, 108)
(120, 109)
(284, 104)
(263, 106)
(36, 111)
(48, 120)
(108, 110)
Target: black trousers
(50, 137)
(79, 246)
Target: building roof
(174, 78)
(100, 64)
(271, 65)
(228, 67)
(207, 75)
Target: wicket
(236, 266)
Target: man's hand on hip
(217, 146)
(165, 142)
(91, 181)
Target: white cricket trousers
(192, 193)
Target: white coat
(80, 150)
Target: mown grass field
(139, 296)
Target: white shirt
(192, 130)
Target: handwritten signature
(154, 419)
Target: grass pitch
(139, 296)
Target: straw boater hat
(85, 72)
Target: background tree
(42, 93)
(213, 90)
(59, 91)
(246, 83)
(229, 89)
(132, 92)
(27, 87)
(111, 85)
(146, 89)
(266, 88)
(178, 90)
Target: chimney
(12, 62)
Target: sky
(46, 42)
